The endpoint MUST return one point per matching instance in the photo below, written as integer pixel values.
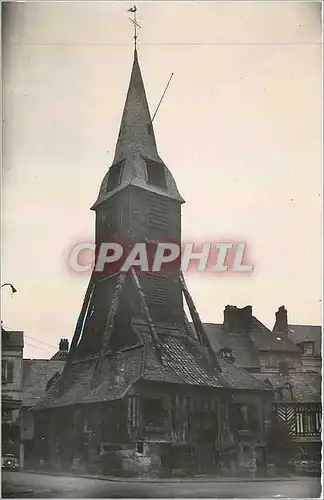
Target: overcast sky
(239, 128)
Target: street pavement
(31, 485)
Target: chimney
(230, 319)
(281, 324)
(236, 320)
(64, 345)
(246, 317)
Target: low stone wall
(128, 462)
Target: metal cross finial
(135, 23)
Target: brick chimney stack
(281, 324)
(64, 345)
(236, 320)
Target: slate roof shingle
(185, 360)
(306, 387)
(302, 333)
(36, 374)
(246, 345)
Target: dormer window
(52, 381)
(308, 348)
(114, 176)
(155, 174)
(286, 392)
(226, 353)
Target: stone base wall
(128, 461)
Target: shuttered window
(157, 211)
(3, 371)
(10, 372)
(7, 372)
(157, 289)
(155, 173)
(114, 176)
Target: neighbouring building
(288, 359)
(309, 339)
(38, 377)
(12, 343)
(142, 393)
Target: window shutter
(10, 372)
(156, 289)
(3, 371)
(156, 173)
(114, 176)
(157, 211)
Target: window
(155, 173)
(226, 352)
(7, 372)
(247, 417)
(140, 447)
(7, 415)
(52, 381)
(308, 348)
(114, 176)
(286, 392)
(283, 367)
(154, 412)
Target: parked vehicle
(10, 461)
(309, 467)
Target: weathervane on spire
(135, 23)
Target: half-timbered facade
(288, 359)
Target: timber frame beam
(81, 319)
(199, 327)
(154, 336)
(108, 327)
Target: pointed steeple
(136, 144)
(136, 130)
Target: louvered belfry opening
(114, 176)
(155, 173)
(157, 211)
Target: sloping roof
(216, 335)
(10, 339)
(60, 356)
(266, 340)
(188, 360)
(136, 142)
(185, 360)
(306, 387)
(36, 374)
(240, 378)
(183, 367)
(118, 374)
(246, 345)
(302, 333)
